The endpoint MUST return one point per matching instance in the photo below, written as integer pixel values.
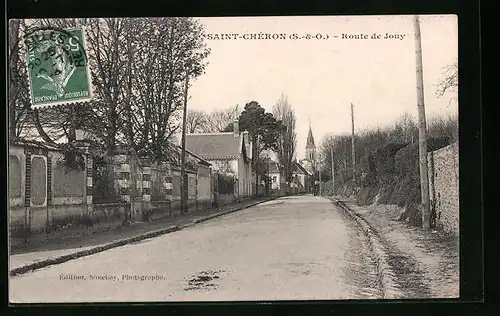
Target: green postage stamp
(58, 70)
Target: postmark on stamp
(58, 69)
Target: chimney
(236, 128)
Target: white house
(229, 153)
(300, 175)
(274, 175)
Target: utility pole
(333, 171)
(319, 179)
(345, 149)
(256, 162)
(422, 137)
(269, 183)
(352, 146)
(183, 153)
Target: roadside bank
(419, 264)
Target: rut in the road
(409, 276)
(361, 271)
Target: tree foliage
(264, 131)
(372, 145)
(262, 126)
(341, 146)
(287, 140)
(138, 68)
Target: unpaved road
(293, 248)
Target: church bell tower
(310, 146)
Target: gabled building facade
(274, 174)
(229, 153)
(299, 177)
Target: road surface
(293, 248)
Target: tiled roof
(214, 145)
(198, 158)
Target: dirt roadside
(426, 264)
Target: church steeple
(310, 146)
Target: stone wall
(47, 199)
(226, 199)
(444, 186)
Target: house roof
(299, 169)
(33, 143)
(212, 146)
(200, 160)
(274, 167)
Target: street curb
(204, 219)
(122, 242)
(384, 270)
(91, 251)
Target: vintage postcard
(233, 158)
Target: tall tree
(264, 131)
(106, 38)
(171, 46)
(137, 67)
(287, 140)
(133, 45)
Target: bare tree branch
(196, 120)
(219, 120)
(448, 82)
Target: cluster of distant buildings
(220, 171)
(231, 153)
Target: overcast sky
(322, 77)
